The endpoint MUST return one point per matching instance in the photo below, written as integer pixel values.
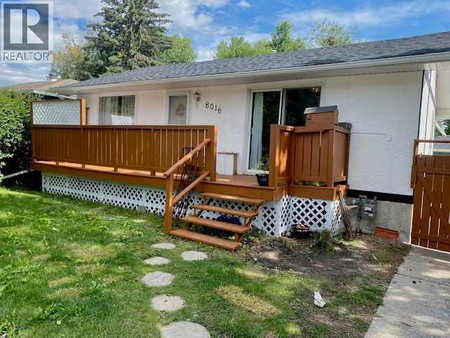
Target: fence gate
(431, 216)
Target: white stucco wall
(383, 108)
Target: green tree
(66, 61)
(446, 125)
(328, 34)
(131, 34)
(236, 48)
(181, 51)
(283, 40)
(14, 130)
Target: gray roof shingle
(376, 50)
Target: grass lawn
(73, 268)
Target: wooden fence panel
(431, 214)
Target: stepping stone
(167, 303)
(158, 278)
(185, 330)
(166, 246)
(194, 256)
(157, 261)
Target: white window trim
(136, 102)
(188, 108)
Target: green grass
(73, 268)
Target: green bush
(15, 139)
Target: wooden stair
(237, 230)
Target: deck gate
(431, 214)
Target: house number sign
(213, 107)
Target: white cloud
(191, 14)
(244, 4)
(76, 10)
(205, 54)
(369, 16)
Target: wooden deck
(242, 185)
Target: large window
(117, 110)
(284, 106)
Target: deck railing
(149, 148)
(308, 154)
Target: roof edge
(426, 58)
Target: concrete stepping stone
(158, 278)
(194, 256)
(157, 261)
(167, 303)
(185, 330)
(166, 246)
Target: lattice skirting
(275, 219)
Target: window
(178, 109)
(117, 110)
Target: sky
(207, 22)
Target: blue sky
(207, 22)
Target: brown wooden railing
(171, 199)
(149, 148)
(308, 154)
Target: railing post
(273, 154)
(168, 219)
(33, 138)
(211, 153)
(331, 144)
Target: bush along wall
(15, 138)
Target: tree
(181, 51)
(328, 34)
(130, 35)
(239, 47)
(14, 130)
(66, 61)
(282, 39)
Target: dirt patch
(347, 258)
(352, 278)
(248, 302)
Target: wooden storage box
(322, 116)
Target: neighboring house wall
(443, 94)
(428, 111)
(384, 111)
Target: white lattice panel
(122, 195)
(65, 112)
(275, 219)
(311, 212)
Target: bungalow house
(238, 113)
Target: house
(44, 88)
(390, 91)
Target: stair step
(246, 214)
(195, 236)
(237, 229)
(246, 200)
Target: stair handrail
(171, 200)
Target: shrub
(14, 130)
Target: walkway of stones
(169, 303)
